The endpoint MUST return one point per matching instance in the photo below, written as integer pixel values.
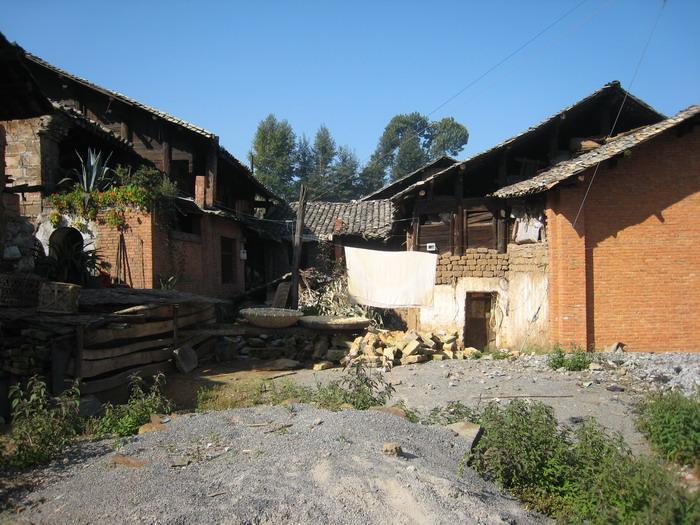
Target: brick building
(215, 247)
(512, 269)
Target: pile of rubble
(378, 348)
(391, 348)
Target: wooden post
(296, 256)
(459, 194)
(175, 310)
(124, 131)
(167, 153)
(502, 230)
(212, 168)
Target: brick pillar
(211, 169)
(200, 183)
(568, 298)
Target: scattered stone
(282, 364)
(412, 359)
(126, 461)
(323, 365)
(576, 420)
(470, 432)
(410, 349)
(185, 359)
(256, 342)
(396, 411)
(392, 449)
(595, 366)
(615, 388)
(152, 427)
(179, 462)
(225, 349)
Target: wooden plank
(116, 333)
(92, 354)
(162, 311)
(281, 295)
(102, 366)
(122, 378)
(296, 255)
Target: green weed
(42, 426)
(671, 422)
(581, 476)
(125, 420)
(575, 361)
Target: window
(228, 260)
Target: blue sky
(354, 65)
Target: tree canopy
(333, 173)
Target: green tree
(303, 161)
(344, 177)
(273, 155)
(408, 142)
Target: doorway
(478, 332)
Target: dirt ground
(610, 394)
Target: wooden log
(102, 366)
(108, 383)
(117, 333)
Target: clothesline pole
(296, 255)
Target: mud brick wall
(527, 257)
(476, 262)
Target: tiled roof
(369, 219)
(122, 98)
(611, 86)
(399, 184)
(614, 146)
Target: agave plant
(94, 173)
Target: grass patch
(125, 420)
(359, 388)
(42, 426)
(580, 476)
(575, 361)
(671, 422)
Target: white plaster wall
(517, 298)
(45, 229)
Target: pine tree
(273, 155)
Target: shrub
(582, 476)
(671, 422)
(125, 420)
(574, 362)
(42, 426)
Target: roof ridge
(124, 98)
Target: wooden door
(477, 323)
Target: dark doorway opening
(478, 331)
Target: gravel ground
(293, 464)
(610, 394)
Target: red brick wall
(635, 274)
(196, 259)
(138, 241)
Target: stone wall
(476, 262)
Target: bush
(581, 476)
(42, 426)
(125, 420)
(573, 362)
(671, 422)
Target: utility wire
(462, 90)
(595, 171)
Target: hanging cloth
(390, 279)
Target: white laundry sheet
(390, 279)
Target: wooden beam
(459, 195)
(211, 173)
(100, 385)
(124, 131)
(502, 231)
(102, 366)
(296, 256)
(116, 332)
(167, 153)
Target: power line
(595, 171)
(465, 88)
